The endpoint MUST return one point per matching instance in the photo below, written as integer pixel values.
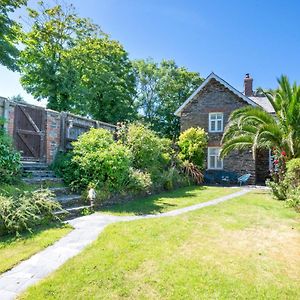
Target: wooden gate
(29, 132)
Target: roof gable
(204, 83)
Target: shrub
(150, 152)
(139, 181)
(10, 165)
(288, 189)
(292, 177)
(192, 143)
(22, 212)
(64, 167)
(293, 198)
(279, 189)
(172, 178)
(99, 160)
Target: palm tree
(252, 127)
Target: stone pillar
(53, 138)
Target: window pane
(219, 163)
(213, 151)
(213, 116)
(213, 126)
(220, 116)
(212, 164)
(219, 128)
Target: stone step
(72, 212)
(34, 166)
(35, 180)
(70, 200)
(60, 190)
(40, 173)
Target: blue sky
(229, 37)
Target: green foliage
(289, 188)
(106, 80)
(100, 161)
(28, 209)
(172, 178)
(72, 63)
(9, 159)
(139, 181)
(192, 143)
(279, 189)
(150, 152)
(9, 33)
(64, 167)
(161, 89)
(293, 198)
(17, 98)
(292, 177)
(252, 127)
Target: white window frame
(216, 122)
(215, 159)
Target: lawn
(245, 248)
(169, 200)
(13, 250)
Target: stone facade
(215, 97)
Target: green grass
(13, 250)
(245, 248)
(169, 200)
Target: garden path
(86, 230)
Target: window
(216, 122)
(214, 161)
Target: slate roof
(264, 103)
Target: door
(29, 132)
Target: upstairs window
(216, 122)
(214, 161)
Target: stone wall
(215, 97)
(61, 128)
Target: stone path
(86, 230)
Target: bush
(293, 198)
(22, 212)
(172, 178)
(150, 152)
(64, 167)
(10, 165)
(292, 177)
(279, 189)
(289, 188)
(192, 143)
(100, 161)
(139, 181)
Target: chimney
(248, 81)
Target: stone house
(209, 107)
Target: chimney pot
(248, 83)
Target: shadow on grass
(7, 239)
(153, 204)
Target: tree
(17, 98)
(105, 80)
(253, 127)
(161, 89)
(72, 63)
(46, 70)
(9, 31)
